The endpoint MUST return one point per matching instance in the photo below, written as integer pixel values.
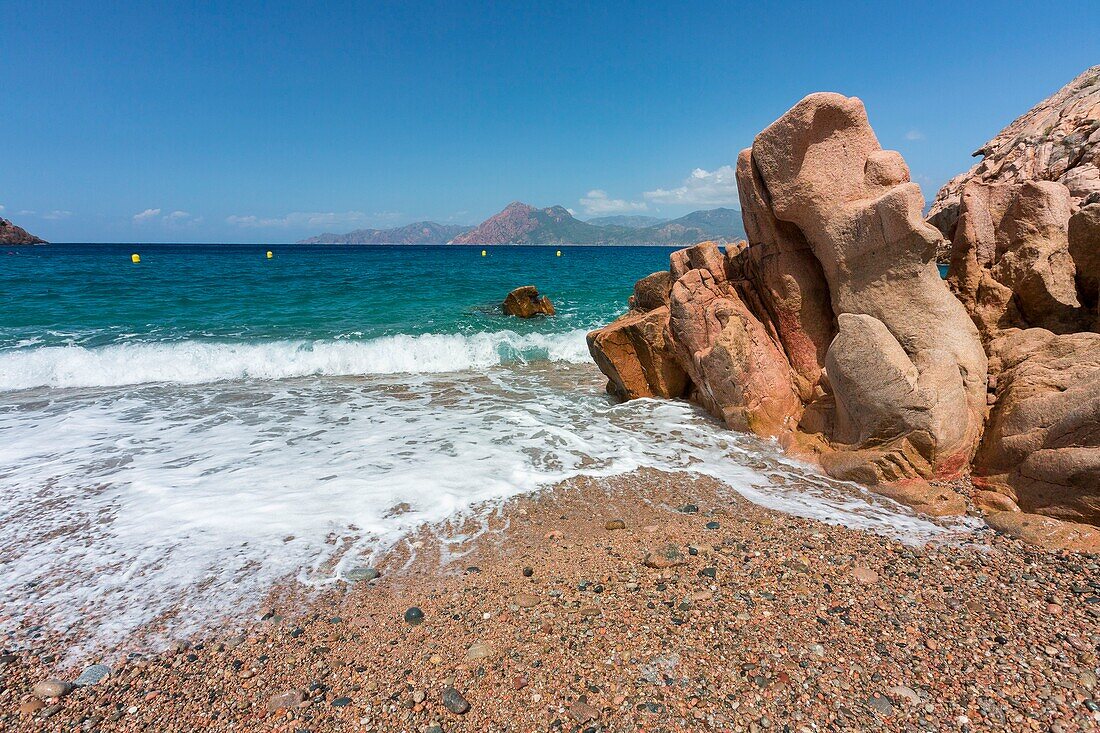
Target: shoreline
(751, 620)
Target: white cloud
(303, 219)
(702, 188)
(1, 207)
(914, 135)
(146, 216)
(57, 214)
(597, 202)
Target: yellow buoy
(483, 253)
(558, 253)
(135, 258)
(269, 255)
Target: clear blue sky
(269, 122)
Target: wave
(197, 362)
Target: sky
(270, 122)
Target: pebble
(93, 674)
(362, 574)
(528, 572)
(866, 576)
(288, 699)
(413, 616)
(30, 707)
(712, 525)
(455, 702)
(526, 600)
(52, 688)
(479, 650)
(906, 693)
(582, 712)
(615, 524)
(341, 702)
(881, 704)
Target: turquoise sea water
(178, 435)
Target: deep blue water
(93, 295)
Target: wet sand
(731, 617)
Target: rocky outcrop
(1010, 263)
(831, 328)
(1042, 444)
(634, 355)
(1057, 140)
(525, 302)
(1084, 250)
(11, 234)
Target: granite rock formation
(525, 302)
(1057, 140)
(11, 234)
(831, 329)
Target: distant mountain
(521, 223)
(11, 234)
(421, 232)
(630, 222)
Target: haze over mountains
(520, 223)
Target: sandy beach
(645, 602)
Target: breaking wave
(198, 362)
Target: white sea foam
(118, 507)
(198, 362)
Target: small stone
(93, 674)
(341, 702)
(288, 699)
(880, 704)
(906, 693)
(866, 576)
(614, 524)
(526, 600)
(418, 696)
(435, 659)
(414, 616)
(528, 572)
(455, 702)
(433, 729)
(52, 688)
(582, 712)
(667, 557)
(689, 509)
(708, 572)
(30, 707)
(362, 574)
(479, 650)
(712, 525)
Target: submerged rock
(525, 302)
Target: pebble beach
(650, 601)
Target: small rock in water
(362, 574)
(455, 702)
(288, 699)
(92, 675)
(414, 615)
(615, 524)
(52, 688)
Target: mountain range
(521, 223)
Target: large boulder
(1042, 444)
(525, 302)
(1057, 140)
(633, 354)
(831, 328)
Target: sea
(179, 435)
